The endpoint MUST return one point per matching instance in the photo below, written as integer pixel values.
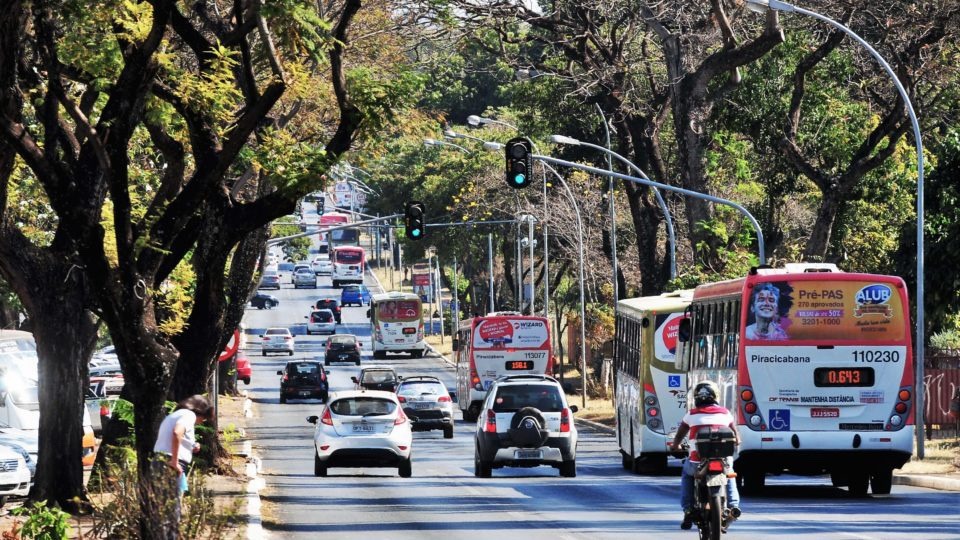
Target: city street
(443, 499)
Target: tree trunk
(819, 242)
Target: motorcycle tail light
(715, 466)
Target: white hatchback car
(362, 428)
(322, 265)
(14, 474)
(277, 339)
(321, 321)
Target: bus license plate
(363, 428)
(529, 454)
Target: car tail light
(266, 338)
(285, 377)
(565, 420)
(401, 418)
(105, 411)
(328, 346)
(287, 338)
(327, 418)
(401, 399)
(444, 399)
(358, 347)
(715, 466)
(491, 424)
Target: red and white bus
(817, 366)
(327, 220)
(496, 345)
(348, 264)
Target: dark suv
(331, 304)
(303, 379)
(377, 378)
(342, 348)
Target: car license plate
(363, 428)
(529, 454)
(344, 356)
(304, 392)
(419, 405)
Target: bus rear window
(349, 257)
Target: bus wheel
(650, 463)
(752, 481)
(838, 479)
(472, 412)
(880, 481)
(379, 355)
(626, 461)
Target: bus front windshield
(402, 310)
(349, 257)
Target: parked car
(244, 369)
(333, 305)
(322, 266)
(525, 422)
(264, 300)
(342, 348)
(355, 295)
(269, 280)
(296, 268)
(362, 429)
(20, 447)
(99, 404)
(427, 404)
(303, 379)
(377, 378)
(277, 339)
(304, 277)
(14, 474)
(321, 321)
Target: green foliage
(380, 98)
(947, 339)
(42, 522)
(295, 249)
(298, 29)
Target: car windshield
(516, 396)
(425, 388)
(378, 377)
(277, 331)
(363, 406)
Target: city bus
(495, 345)
(327, 220)
(816, 364)
(650, 393)
(348, 263)
(396, 324)
(344, 237)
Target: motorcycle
(710, 513)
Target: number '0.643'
(876, 356)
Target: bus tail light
(746, 394)
(475, 380)
(900, 408)
(652, 411)
(904, 395)
(565, 420)
(491, 424)
(750, 408)
(408, 331)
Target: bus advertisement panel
(497, 345)
(348, 263)
(650, 392)
(817, 367)
(396, 324)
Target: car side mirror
(327, 371)
(261, 335)
(453, 395)
(456, 345)
(279, 372)
(312, 419)
(574, 408)
(354, 379)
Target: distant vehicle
(377, 378)
(269, 281)
(342, 348)
(362, 429)
(525, 422)
(322, 266)
(348, 265)
(321, 321)
(244, 369)
(427, 404)
(355, 295)
(303, 379)
(23, 441)
(285, 267)
(327, 220)
(344, 237)
(20, 447)
(297, 268)
(264, 300)
(14, 474)
(99, 404)
(650, 392)
(396, 324)
(277, 339)
(304, 277)
(333, 305)
(497, 345)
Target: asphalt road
(444, 500)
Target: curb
(596, 425)
(254, 485)
(931, 482)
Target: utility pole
(490, 262)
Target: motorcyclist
(706, 412)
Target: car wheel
(448, 432)
(283, 399)
(259, 307)
(319, 469)
(246, 380)
(326, 362)
(405, 470)
(264, 353)
(269, 304)
(290, 353)
(481, 469)
(324, 397)
(334, 332)
(358, 362)
(568, 469)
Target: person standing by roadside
(176, 444)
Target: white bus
(496, 345)
(396, 324)
(348, 265)
(650, 392)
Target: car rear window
(343, 340)
(516, 396)
(277, 331)
(351, 288)
(421, 388)
(378, 376)
(321, 316)
(303, 369)
(363, 406)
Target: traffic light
(519, 162)
(413, 220)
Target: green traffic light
(519, 179)
(415, 232)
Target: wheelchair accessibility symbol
(673, 381)
(779, 420)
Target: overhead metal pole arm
(273, 241)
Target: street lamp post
(762, 5)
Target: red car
(244, 371)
